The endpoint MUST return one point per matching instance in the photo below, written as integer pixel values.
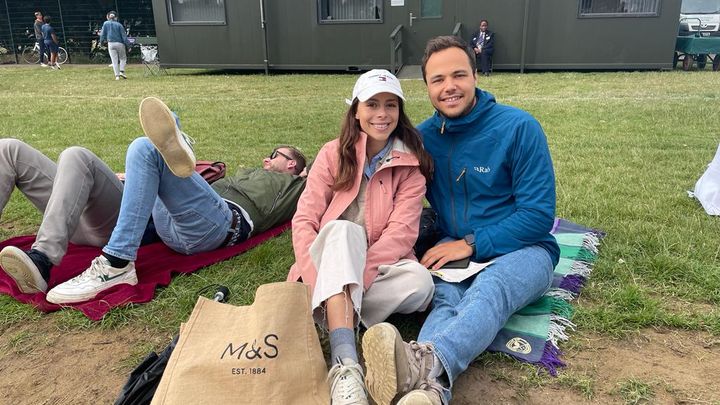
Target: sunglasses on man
(276, 152)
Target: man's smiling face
(450, 82)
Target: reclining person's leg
(32, 173)
(26, 168)
(147, 179)
(189, 216)
(84, 200)
(83, 207)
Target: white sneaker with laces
(161, 128)
(346, 385)
(88, 284)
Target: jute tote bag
(264, 353)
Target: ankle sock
(116, 262)
(342, 345)
(42, 262)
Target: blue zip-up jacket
(113, 31)
(493, 177)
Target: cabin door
(424, 19)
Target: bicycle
(31, 54)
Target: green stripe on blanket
(533, 333)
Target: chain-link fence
(76, 23)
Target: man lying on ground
(84, 202)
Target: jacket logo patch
(482, 169)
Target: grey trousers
(79, 196)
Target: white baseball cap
(374, 82)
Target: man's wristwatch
(470, 240)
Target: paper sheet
(458, 275)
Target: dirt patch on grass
(654, 366)
(40, 364)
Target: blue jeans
(466, 316)
(190, 217)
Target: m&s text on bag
(242, 351)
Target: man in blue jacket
(494, 193)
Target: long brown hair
(350, 132)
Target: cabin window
(619, 8)
(197, 11)
(350, 10)
(431, 8)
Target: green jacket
(270, 198)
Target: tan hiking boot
(393, 366)
(428, 396)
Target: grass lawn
(626, 146)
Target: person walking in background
(37, 27)
(483, 43)
(114, 33)
(51, 41)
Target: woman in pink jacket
(356, 224)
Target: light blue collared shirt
(372, 166)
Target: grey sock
(342, 345)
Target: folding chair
(151, 61)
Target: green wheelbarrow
(700, 49)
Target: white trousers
(339, 253)
(117, 56)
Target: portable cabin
(362, 34)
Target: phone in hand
(457, 264)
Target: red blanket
(155, 264)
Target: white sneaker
(43, 65)
(117, 77)
(99, 277)
(122, 74)
(175, 146)
(346, 385)
(18, 265)
(57, 66)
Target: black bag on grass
(143, 381)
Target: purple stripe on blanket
(551, 359)
(573, 283)
(555, 225)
